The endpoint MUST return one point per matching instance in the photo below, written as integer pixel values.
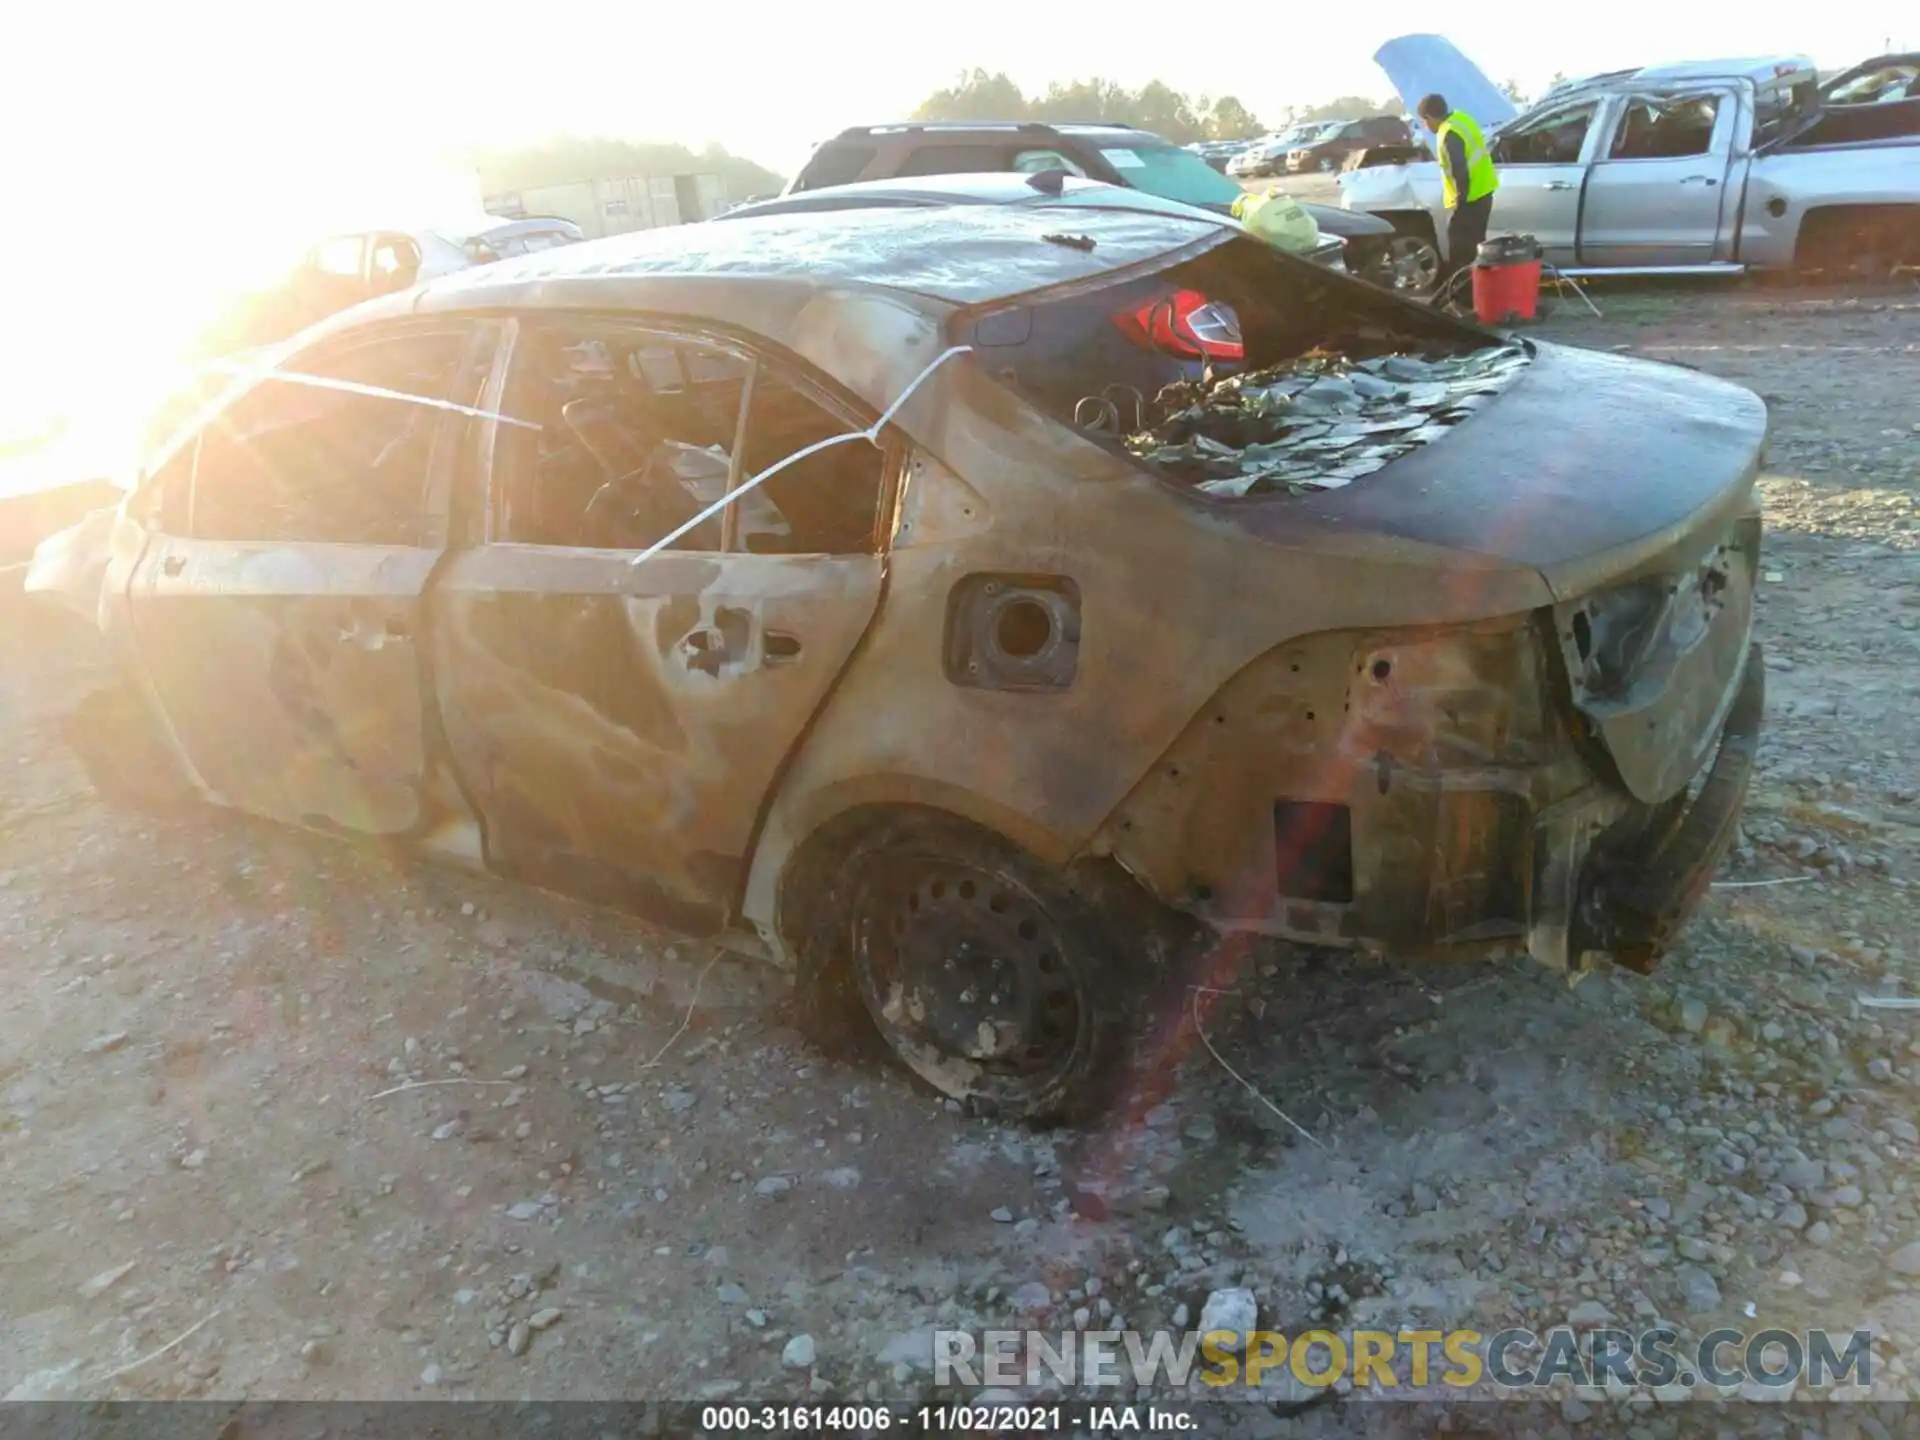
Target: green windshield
(1172, 174)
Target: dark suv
(1330, 149)
(1115, 154)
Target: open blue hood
(1422, 65)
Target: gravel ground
(359, 1131)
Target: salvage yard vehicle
(1333, 147)
(970, 610)
(346, 268)
(1218, 152)
(1051, 187)
(1269, 156)
(1111, 154)
(1712, 167)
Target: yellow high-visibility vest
(1481, 177)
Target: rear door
(1542, 164)
(278, 615)
(1657, 193)
(620, 715)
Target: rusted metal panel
(290, 674)
(1339, 717)
(1655, 662)
(1374, 789)
(1174, 598)
(619, 725)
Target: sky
(171, 150)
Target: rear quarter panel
(1796, 182)
(1175, 599)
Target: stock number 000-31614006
(927, 1419)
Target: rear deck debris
(1316, 422)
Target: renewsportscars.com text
(1388, 1359)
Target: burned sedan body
(967, 609)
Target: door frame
(1718, 155)
(289, 570)
(1581, 165)
(480, 544)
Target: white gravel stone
(1232, 1310)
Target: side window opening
(641, 431)
(838, 162)
(292, 461)
(829, 503)
(339, 256)
(396, 262)
(1885, 85)
(1554, 139)
(1665, 128)
(957, 160)
(1033, 162)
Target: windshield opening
(1172, 174)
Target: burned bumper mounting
(1634, 903)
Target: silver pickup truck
(1709, 167)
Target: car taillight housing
(1186, 324)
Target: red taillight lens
(1186, 324)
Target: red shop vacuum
(1506, 280)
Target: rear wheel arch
(1105, 942)
(1849, 237)
(803, 889)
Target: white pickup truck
(1713, 167)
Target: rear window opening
(838, 162)
(1244, 374)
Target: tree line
(975, 95)
(1157, 107)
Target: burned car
(971, 611)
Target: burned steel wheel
(986, 976)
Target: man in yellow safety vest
(1467, 178)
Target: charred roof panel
(964, 256)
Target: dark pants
(1466, 228)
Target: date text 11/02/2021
(944, 1419)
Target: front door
(278, 617)
(621, 716)
(1542, 164)
(1658, 193)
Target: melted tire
(846, 971)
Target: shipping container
(618, 204)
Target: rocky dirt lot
(280, 1118)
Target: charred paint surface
(290, 676)
(1250, 722)
(1654, 662)
(1173, 599)
(621, 725)
(1377, 789)
(965, 254)
(1587, 466)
